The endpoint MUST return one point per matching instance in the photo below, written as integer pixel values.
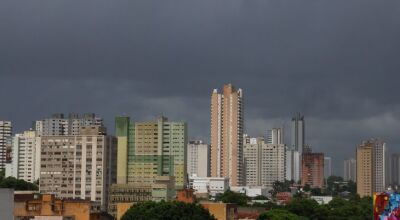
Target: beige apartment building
(79, 166)
(227, 134)
(371, 167)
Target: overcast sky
(336, 61)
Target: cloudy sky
(336, 61)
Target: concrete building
(6, 203)
(48, 207)
(5, 137)
(371, 167)
(264, 163)
(275, 136)
(252, 191)
(298, 133)
(322, 200)
(57, 124)
(293, 162)
(198, 159)
(350, 170)
(208, 185)
(79, 166)
(328, 167)
(163, 188)
(150, 149)
(313, 170)
(227, 135)
(395, 170)
(25, 163)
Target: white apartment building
(79, 166)
(328, 167)
(349, 172)
(25, 163)
(58, 124)
(264, 163)
(208, 185)
(5, 140)
(198, 159)
(292, 164)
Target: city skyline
(333, 69)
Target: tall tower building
(349, 172)
(198, 159)
(371, 167)
(298, 133)
(313, 169)
(264, 163)
(275, 136)
(25, 163)
(125, 134)
(395, 170)
(227, 135)
(327, 167)
(5, 140)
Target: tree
(303, 207)
(167, 210)
(232, 197)
(281, 187)
(279, 214)
(17, 184)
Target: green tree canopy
(303, 207)
(279, 214)
(167, 210)
(232, 197)
(17, 184)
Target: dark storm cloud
(338, 62)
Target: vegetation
(232, 197)
(281, 187)
(16, 184)
(167, 210)
(355, 208)
(279, 214)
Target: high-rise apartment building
(5, 140)
(327, 167)
(25, 163)
(395, 170)
(227, 134)
(198, 159)
(313, 170)
(58, 124)
(371, 167)
(350, 170)
(293, 162)
(264, 163)
(298, 133)
(79, 166)
(275, 136)
(150, 149)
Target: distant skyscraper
(371, 167)
(327, 167)
(275, 136)
(57, 124)
(350, 170)
(25, 163)
(395, 170)
(5, 140)
(298, 133)
(227, 135)
(150, 149)
(264, 163)
(79, 166)
(313, 169)
(198, 159)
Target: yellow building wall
(122, 208)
